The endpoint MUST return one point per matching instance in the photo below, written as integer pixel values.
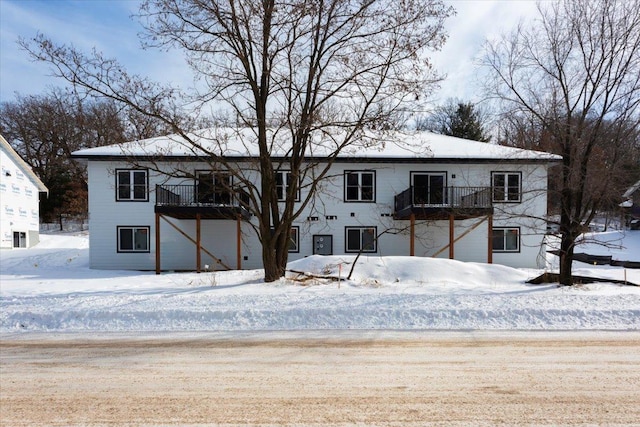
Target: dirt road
(403, 379)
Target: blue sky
(108, 26)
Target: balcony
(190, 201)
(442, 202)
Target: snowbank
(50, 288)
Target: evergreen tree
(456, 118)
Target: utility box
(323, 244)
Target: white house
(20, 192)
(631, 206)
(419, 194)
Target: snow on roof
(374, 146)
(629, 193)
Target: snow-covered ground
(49, 288)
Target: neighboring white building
(20, 192)
(441, 196)
(631, 206)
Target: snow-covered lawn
(50, 288)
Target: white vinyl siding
(328, 215)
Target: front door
(429, 188)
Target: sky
(108, 26)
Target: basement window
(133, 239)
(506, 240)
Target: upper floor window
(360, 239)
(507, 186)
(132, 185)
(359, 186)
(214, 187)
(506, 239)
(283, 182)
(133, 239)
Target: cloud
(475, 22)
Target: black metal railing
(193, 195)
(450, 197)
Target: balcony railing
(192, 195)
(445, 197)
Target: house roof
(24, 167)
(370, 147)
(629, 193)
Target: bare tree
(310, 74)
(45, 129)
(574, 75)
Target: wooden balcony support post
(451, 237)
(412, 237)
(239, 241)
(157, 243)
(490, 239)
(198, 244)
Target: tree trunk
(272, 268)
(566, 259)
(274, 255)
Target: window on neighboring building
(283, 182)
(506, 239)
(359, 186)
(360, 239)
(133, 239)
(19, 239)
(132, 185)
(506, 186)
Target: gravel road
(322, 379)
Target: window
(132, 185)
(283, 182)
(361, 239)
(214, 188)
(429, 188)
(359, 186)
(506, 186)
(133, 239)
(506, 240)
(294, 240)
(19, 239)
